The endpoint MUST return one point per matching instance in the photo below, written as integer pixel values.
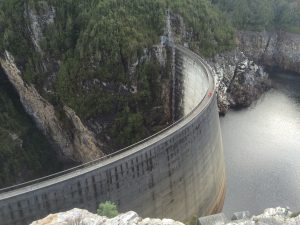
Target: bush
(261, 15)
(108, 209)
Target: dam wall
(177, 173)
(190, 87)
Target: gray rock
(272, 216)
(213, 220)
(78, 143)
(275, 49)
(239, 80)
(241, 215)
(83, 217)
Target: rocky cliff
(273, 49)
(142, 83)
(239, 80)
(83, 217)
(240, 74)
(76, 143)
(112, 104)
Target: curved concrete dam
(176, 173)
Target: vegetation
(263, 14)
(91, 47)
(210, 29)
(97, 57)
(24, 152)
(108, 209)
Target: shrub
(108, 209)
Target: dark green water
(262, 150)
(25, 153)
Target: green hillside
(98, 57)
(263, 14)
(99, 40)
(24, 152)
(85, 59)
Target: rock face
(239, 80)
(75, 142)
(83, 217)
(38, 22)
(274, 49)
(272, 216)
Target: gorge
(162, 170)
(97, 77)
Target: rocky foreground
(83, 217)
(272, 216)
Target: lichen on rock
(84, 217)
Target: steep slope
(79, 145)
(24, 152)
(279, 50)
(98, 69)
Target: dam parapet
(177, 173)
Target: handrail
(188, 52)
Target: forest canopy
(98, 41)
(262, 14)
(96, 56)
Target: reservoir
(262, 150)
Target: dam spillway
(177, 173)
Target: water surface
(262, 150)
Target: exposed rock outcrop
(239, 80)
(272, 216)
(76, 142)
(274, 49)
(38, 22)
(83, 217)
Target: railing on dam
(163, 170)
(208, 75)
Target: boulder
(84, 217)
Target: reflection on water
(262, 150)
